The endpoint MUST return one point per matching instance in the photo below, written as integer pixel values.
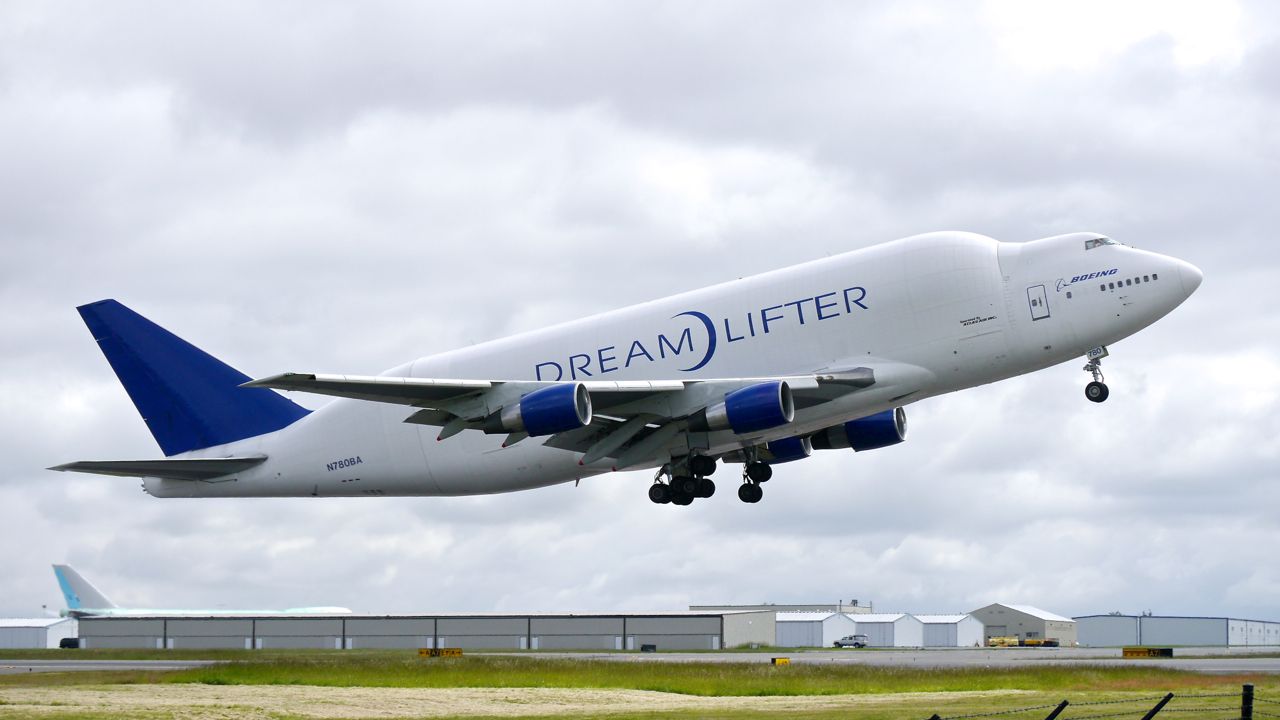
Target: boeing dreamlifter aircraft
(84, 599)
(758, 371)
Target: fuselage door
(1038, 301)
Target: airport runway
(1217, 661)
(11, 667)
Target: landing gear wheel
(685, 485)
(706, 488)
(702, 466)
(681, 499)
(1097, 392)
(660, 493)
(750, 493)
(758, 472)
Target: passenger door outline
(1038, 302)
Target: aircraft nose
(1190, 276)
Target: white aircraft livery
(83, 599)
(758, 371)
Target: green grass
(890, 692)
(689, 678)
(387, 668)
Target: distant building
(855, 607)
(813, 629)
(1026, 623)
(891, 630)
(951, 631)
(28, 633)
(472, 631)
(1174, 631)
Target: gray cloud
(311, 187)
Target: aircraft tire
(659, 493)
(750, 493)
(702, 465)
(685, 485)
(1097, 392)
(680, 498)
(759, 472)
(706, 488)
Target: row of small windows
(1129, 281)
(1126, 282)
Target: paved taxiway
(10, 667)
(1204, 660)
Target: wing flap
(192, 469)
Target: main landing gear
(680, 482)
(1097, 390)
(754, 472)
(687, 479)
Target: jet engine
(545, 411)
(788, 449)
(749, 409)
(869, 433)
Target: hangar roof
(941, 619)
(1037, 612)
(878, 617)
(803, 616)
(427, 616)
(31, 622)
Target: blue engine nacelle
(545, 411)
(788, 449)
(869, 433)
(749, 409)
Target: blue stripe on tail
(188, 398)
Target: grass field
(399, 684)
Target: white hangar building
(1026, 623)
(1156, 630)
(549, 631)
(28, 633)
(813, 629)
(891, 630)
(952, 631)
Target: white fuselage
(962, 308)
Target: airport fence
(1244, 705)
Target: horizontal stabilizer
(187, 469)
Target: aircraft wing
(437, 393)
(194, 469)
(626, 417)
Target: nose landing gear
(1097, 390)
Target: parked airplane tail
(79, 593)
(188, 398)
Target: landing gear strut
(686, 479)
(1097, 390)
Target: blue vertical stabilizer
(188, 398)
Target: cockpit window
(1098, 242)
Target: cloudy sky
(308, 186)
